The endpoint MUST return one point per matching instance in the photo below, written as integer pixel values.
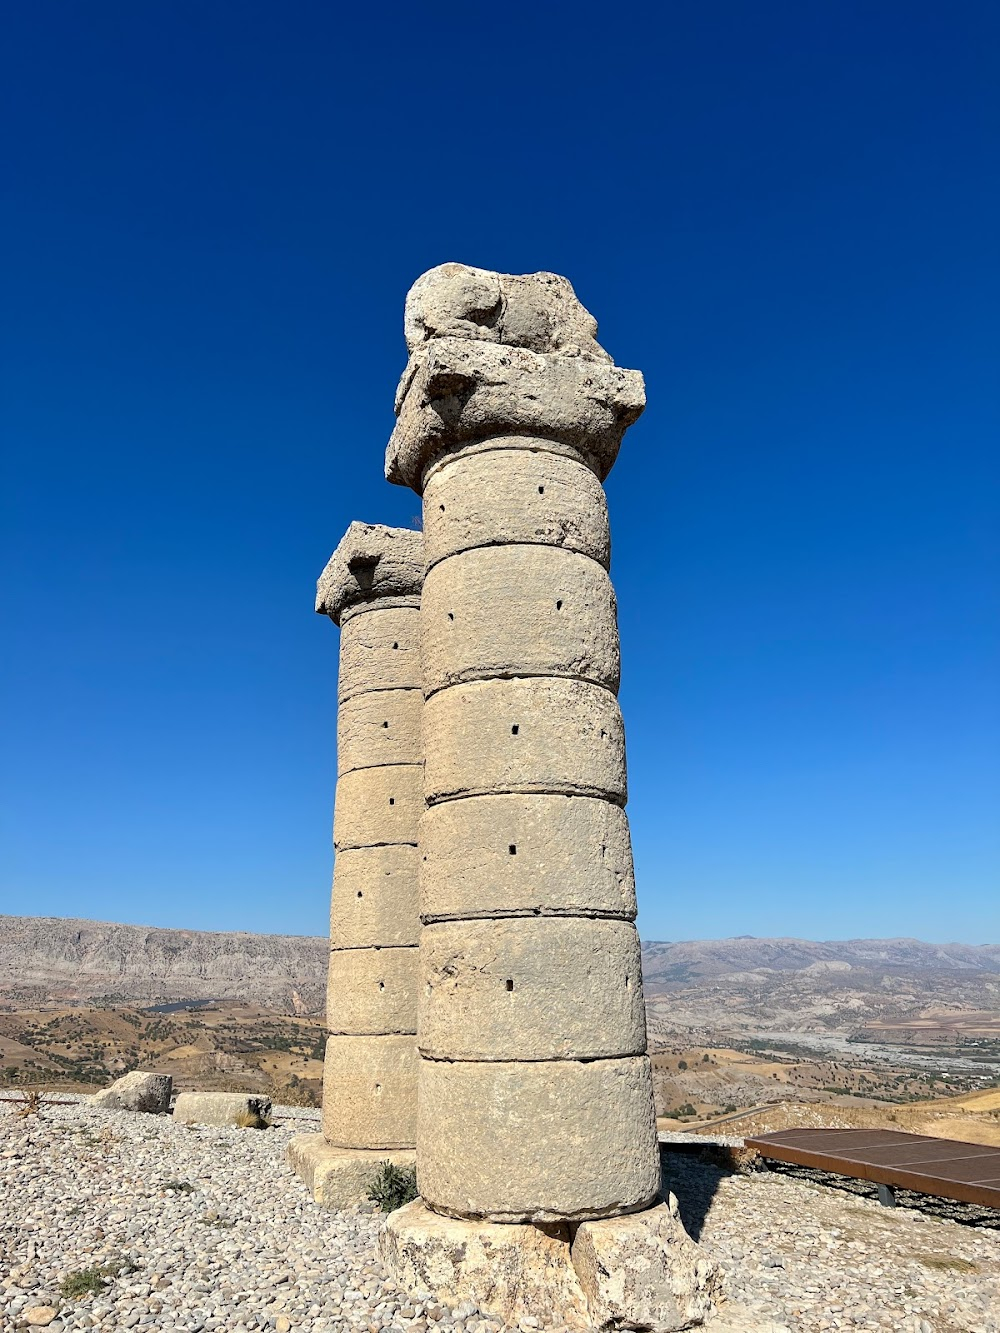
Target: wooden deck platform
(947, 1168)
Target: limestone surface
(219, 1108)
(533, 735)
(379, 727)
(455, 391)
(375, 898)
(137, 1091)
(340, 1177)
(370, 1092)
(559, 988)
(644, 1271)
(372, 991)
(498, 856)
(376, 806)
(581, 1138)
(540, 311)
(510, 490)
(518, 611)
(371, 562)
(511, 1272)
(380, 650)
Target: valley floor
(198, 1229)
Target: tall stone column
(536, 1101)
(371, 589)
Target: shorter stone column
(371, 589)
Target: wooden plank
(948, 1168)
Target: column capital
(505, 354)
(370, 563)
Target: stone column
(371, 589)
(536, 1101)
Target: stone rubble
(247, 1249)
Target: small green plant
(84, 1282)
(392, 1186)
(179, 1186)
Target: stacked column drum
(535, 1092)
(370, 1081)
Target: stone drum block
(518, 611)
(543, 735)
(525, 856)
(562, 988)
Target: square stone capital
(371, 562)
(459, 391)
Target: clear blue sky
(785, 214)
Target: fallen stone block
(643, 1271)
(220, 1108)
(340, 1177)
(138, 1091)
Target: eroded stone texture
(644, 1271)
(370, 1092)
(372, 991)
(507, 491)
(456, 391)
(580, 1138)
(497, 856)
(340, 1177)
(539, 311)
(380, 650)
(518, 610)
(371, 562)
(137, 1091)
(375, 897)
(375, 806)
(535, 735)
(561, 988)
(377, 728)
(510, 1272)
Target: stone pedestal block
(518, 610)
(562, 988)
(509, 1272)
(537, 1141)
(541, 735)
(339, 1177)
(508, 492)
(497, 856)
(375, 897)
(372, 991)
(370, 1092)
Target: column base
(340, 1177)
(642, 1271)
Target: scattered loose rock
(84, 1188)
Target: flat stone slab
(219, 1108)
(340, 1177)
(138, 1091)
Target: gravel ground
(207, 1229)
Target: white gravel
(245, 1248)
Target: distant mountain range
(52, 958)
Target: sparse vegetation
(252, 1120)
(179, 1186)
(393, 1186)
(84, 1282)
